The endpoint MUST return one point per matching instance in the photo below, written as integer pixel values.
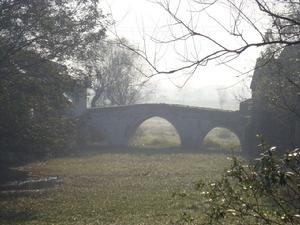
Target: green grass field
(135, 187)
(112, 189)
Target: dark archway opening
(220, 138)
(156, 133)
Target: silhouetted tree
(37, 40)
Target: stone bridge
(118, 124)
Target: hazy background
(140, 20)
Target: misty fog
(139, 112)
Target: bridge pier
(190, 143)
(192, 131)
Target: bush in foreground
(266, 191)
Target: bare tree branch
(283, 31)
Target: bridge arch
(228, 132)
(132, 128)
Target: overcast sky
(137, 20)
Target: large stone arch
(132, 127)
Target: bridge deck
(162, 105)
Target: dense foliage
(37, 38)
(54, 29)
(33, 106)
(276, 80)
(276, 97)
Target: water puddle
(30, 185)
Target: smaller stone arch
(133, 127)
(221, 133)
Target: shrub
(264, 192)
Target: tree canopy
(276, 80)
(37, 39)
